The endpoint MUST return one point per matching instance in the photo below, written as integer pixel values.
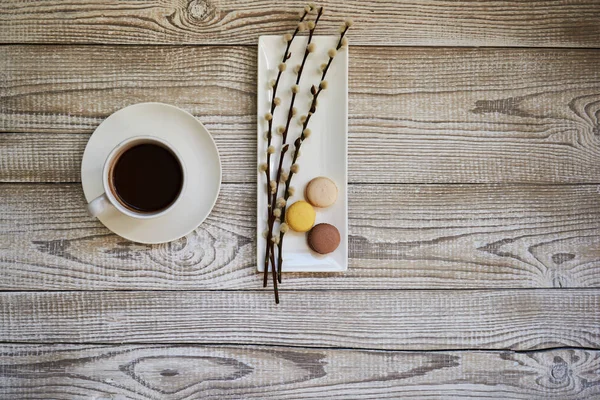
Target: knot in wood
(560, 370)
(560, 258)
(169, 372)
(200, 9)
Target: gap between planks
(306, 347)
(253, 46)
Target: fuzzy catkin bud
(280, 129)
(310, 25)
(270, 150)
(295, 168)
(284, 177)
(262, 167)
(291, 191)
(294, 111)
(303, 119)
(283, 228)
(297, 68)
(280, 202)
(307, 8)
(277, 212)
(331, 53)
(275, 239)
(272, 184)
(311, 47)
(349, 22)
(265, 234)
(306, 132)
(295, 89)
(301, 26)
(287, 37)
(342, 28)
(268, 116)
(272, 83)
(281, 67)
(345, 42)
(277, 101)
(323, 85)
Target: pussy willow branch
(286, 56)
(298, 142)
(284, 146)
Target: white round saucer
(197, 149)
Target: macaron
(300, 216)
(323, 238)
(321, 192)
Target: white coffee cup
(110, 199)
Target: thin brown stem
(339, 45)
(275, 289)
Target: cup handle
(98, 205)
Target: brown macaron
(323, 238)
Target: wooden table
(474, 169)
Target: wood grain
(421, 115)
(409, 236)
(161, 372)
(393, 320)
(29, 157)
(533, 23)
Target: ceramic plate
(191, 140)
(323, 154)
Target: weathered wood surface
(161, 372)
(29, 157)
(417, 115)
(379, 319)
(407, 236)
(522, 122)
(533, 23)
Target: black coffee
(147, 178)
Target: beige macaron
(321, 192)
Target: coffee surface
(147, 178)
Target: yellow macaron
(300, 216)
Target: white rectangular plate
(324, 153)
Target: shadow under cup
(146, 177)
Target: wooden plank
(533, 23)
(379, 319)
(418, 115)
(50, 157)
(408, 236)
(42, 157)
(251, 372)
